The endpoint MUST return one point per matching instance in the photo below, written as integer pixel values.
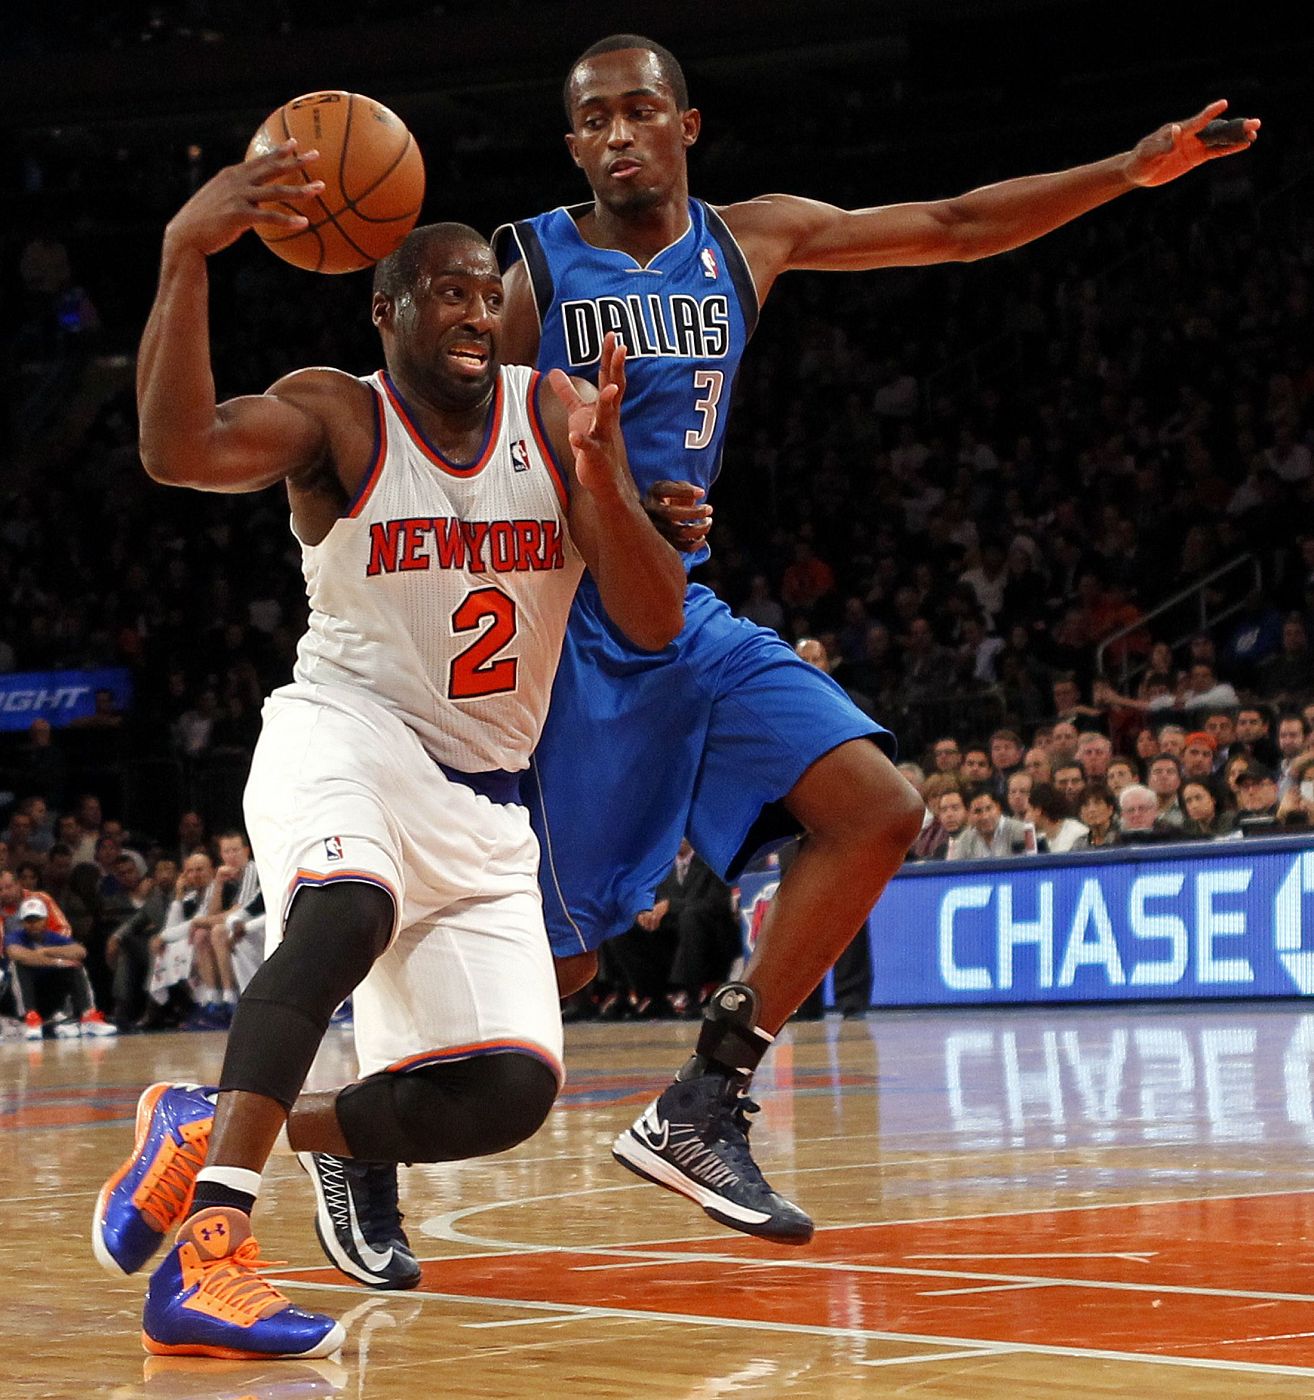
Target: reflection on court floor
(1014, 1203)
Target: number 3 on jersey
(474, 673)
(707, 382)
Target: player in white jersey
(445, 509)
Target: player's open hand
(594, 427)
(237, 197)
(678, 511)
(1180, 146)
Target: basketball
(373, 180)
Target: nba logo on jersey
(333, 847)
(520, 455)
(708, 260)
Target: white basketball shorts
(341, 789)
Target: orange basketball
(373, 180)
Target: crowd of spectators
(106, 930)
(953, 484)
(1221, 771)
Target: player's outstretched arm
(187, 439)
(639, 576)
(781, 232)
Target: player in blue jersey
(714, 736)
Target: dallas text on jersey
(679, 326)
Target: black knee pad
(446, 1113)
(330, 941)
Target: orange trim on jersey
(544, 446)
(366, 488)
(316, 878)
(429, 450)
(478, 1047)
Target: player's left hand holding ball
(1180, 146)
(594, 428)
(238, 197)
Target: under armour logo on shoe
(216, 1231)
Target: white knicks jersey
(443, 592)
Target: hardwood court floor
(1046, 1203)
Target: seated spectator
(1138, 818)
(1094, 750)
(1198, 755)
(1257, 799)
(48, 969)
(129, 950)
(168, 984)
(1122, 772)
(1165, 782)
(696, 932)
(1063, 742)
(1172, 739)
(1221, 723)
(951, 816)
(990, 834)
(1048, 813)
(1291, 739)
(1146, 745)
(946, 755)
(975, 767)
(1019, 795)
(1231, 772)
(1005, 753)
(1069, 779)
(228, 938)
(1097, 808)
(933, 839)
(1253, 736)
(1037, 762)
(1206, 817)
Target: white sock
(207, 996)
(230, 998)
(235, 1178)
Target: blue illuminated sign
(59, 696)
(1184, 921)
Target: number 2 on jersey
(709, 380)
(473, 673)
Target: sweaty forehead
(460, 257)
(610, 75)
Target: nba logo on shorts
(708, 260)
(333, 847)
(520, 455)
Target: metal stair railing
(1205, 618)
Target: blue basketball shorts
(641, 749)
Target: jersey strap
(737, 266)
(513, 242)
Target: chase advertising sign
(1230, 919)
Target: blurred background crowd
(1047, 516)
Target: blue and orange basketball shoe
(208, 1298)
(152, 1191)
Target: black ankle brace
(730, 1041)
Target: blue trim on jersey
(497, 784)
(545, 443)
(376, 456)
(411, 421)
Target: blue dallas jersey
(685, 319)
